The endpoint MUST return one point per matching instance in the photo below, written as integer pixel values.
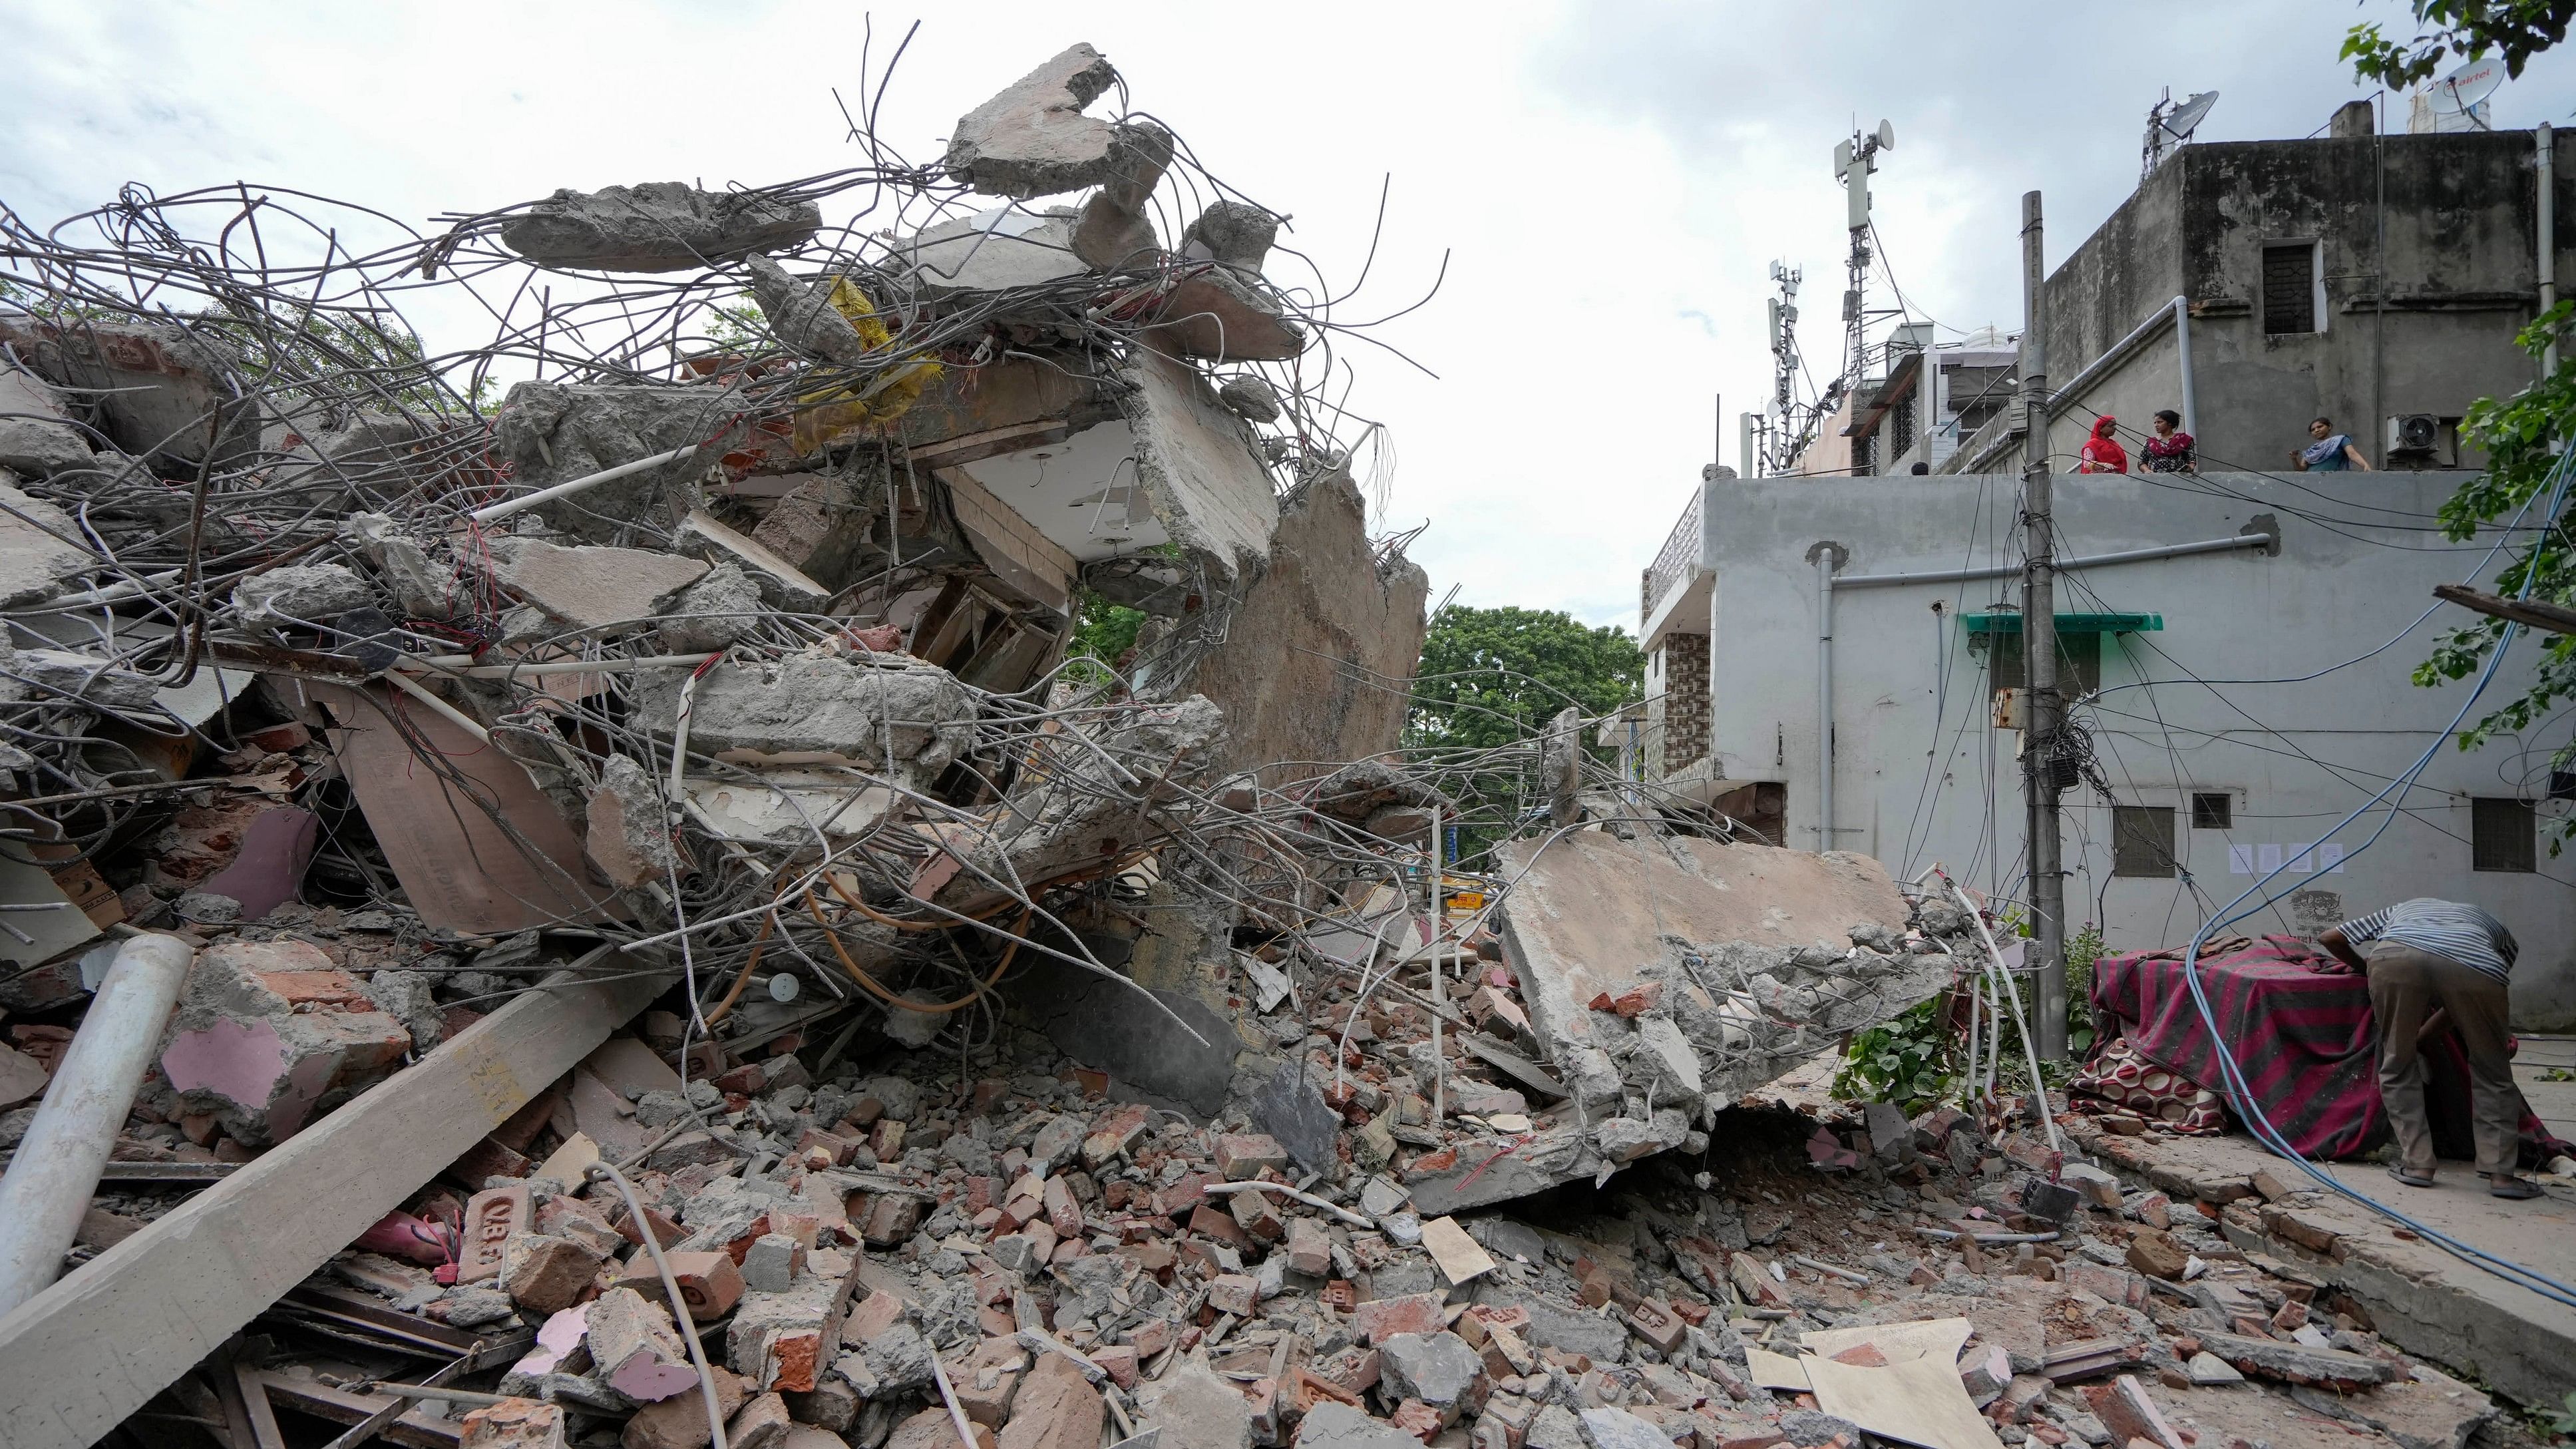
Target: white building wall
(1920, 774)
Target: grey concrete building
(2373, 279)
(1856, 629)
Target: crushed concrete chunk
(1033, 140)
(594, 588)
(35, 561)
(660, 226)
(300, 594)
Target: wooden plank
(462, 872)
(255, 1405)
(2539, 614)
(341, 1406)
(79, 1357)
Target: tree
(2521, 435)
(1493, 676)
(2469, 29)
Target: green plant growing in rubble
(1905, 1061)
(1101, 632)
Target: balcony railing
(1674, 561)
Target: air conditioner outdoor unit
(2422, 440)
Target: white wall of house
(1921, 774)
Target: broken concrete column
(628, 837)
(660, 226)
(268, 1032)
(802, 315)
(1033, 140)
(1236, 234)
(1114, 233)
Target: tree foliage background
(2522, 435)
(1493, 676)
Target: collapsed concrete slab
(1212, 497)
(1033, 140)
(1059, 824)
(1697, 970)
(994, 252)
(660, 226)
(593, 588)
(1320, 655)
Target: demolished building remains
(578, 890)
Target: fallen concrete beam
(1689, 972)
(78, 1358)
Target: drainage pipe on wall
(2177, 313)
(2545, 249)
(2264, 534)
(58, 1164)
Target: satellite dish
(2186, 118)
(2466, 86)
(1886, 136)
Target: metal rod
(2064, 565)
(56, 1170)
(2182, 348)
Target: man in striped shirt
(2421, 955)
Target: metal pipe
(498, 511)
(2182, 347)
(2546, 247)
(2081, 561)
(58, 1164)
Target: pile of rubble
(619, 913)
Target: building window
(2213, 810)
(2142, 840)
(2290, 287)
(2503, 834)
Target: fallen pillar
(57, 1165)
(79, 1357)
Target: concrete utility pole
(2039, 650)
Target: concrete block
(1033, 140)
(1056, 1409)
(659, 226)
(635, 1347)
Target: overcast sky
(1610, 182)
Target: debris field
(588, 888)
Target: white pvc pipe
(2545, 253)
(499, 511)
(2182, 346)
(1824, 700)
(58, 1164)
